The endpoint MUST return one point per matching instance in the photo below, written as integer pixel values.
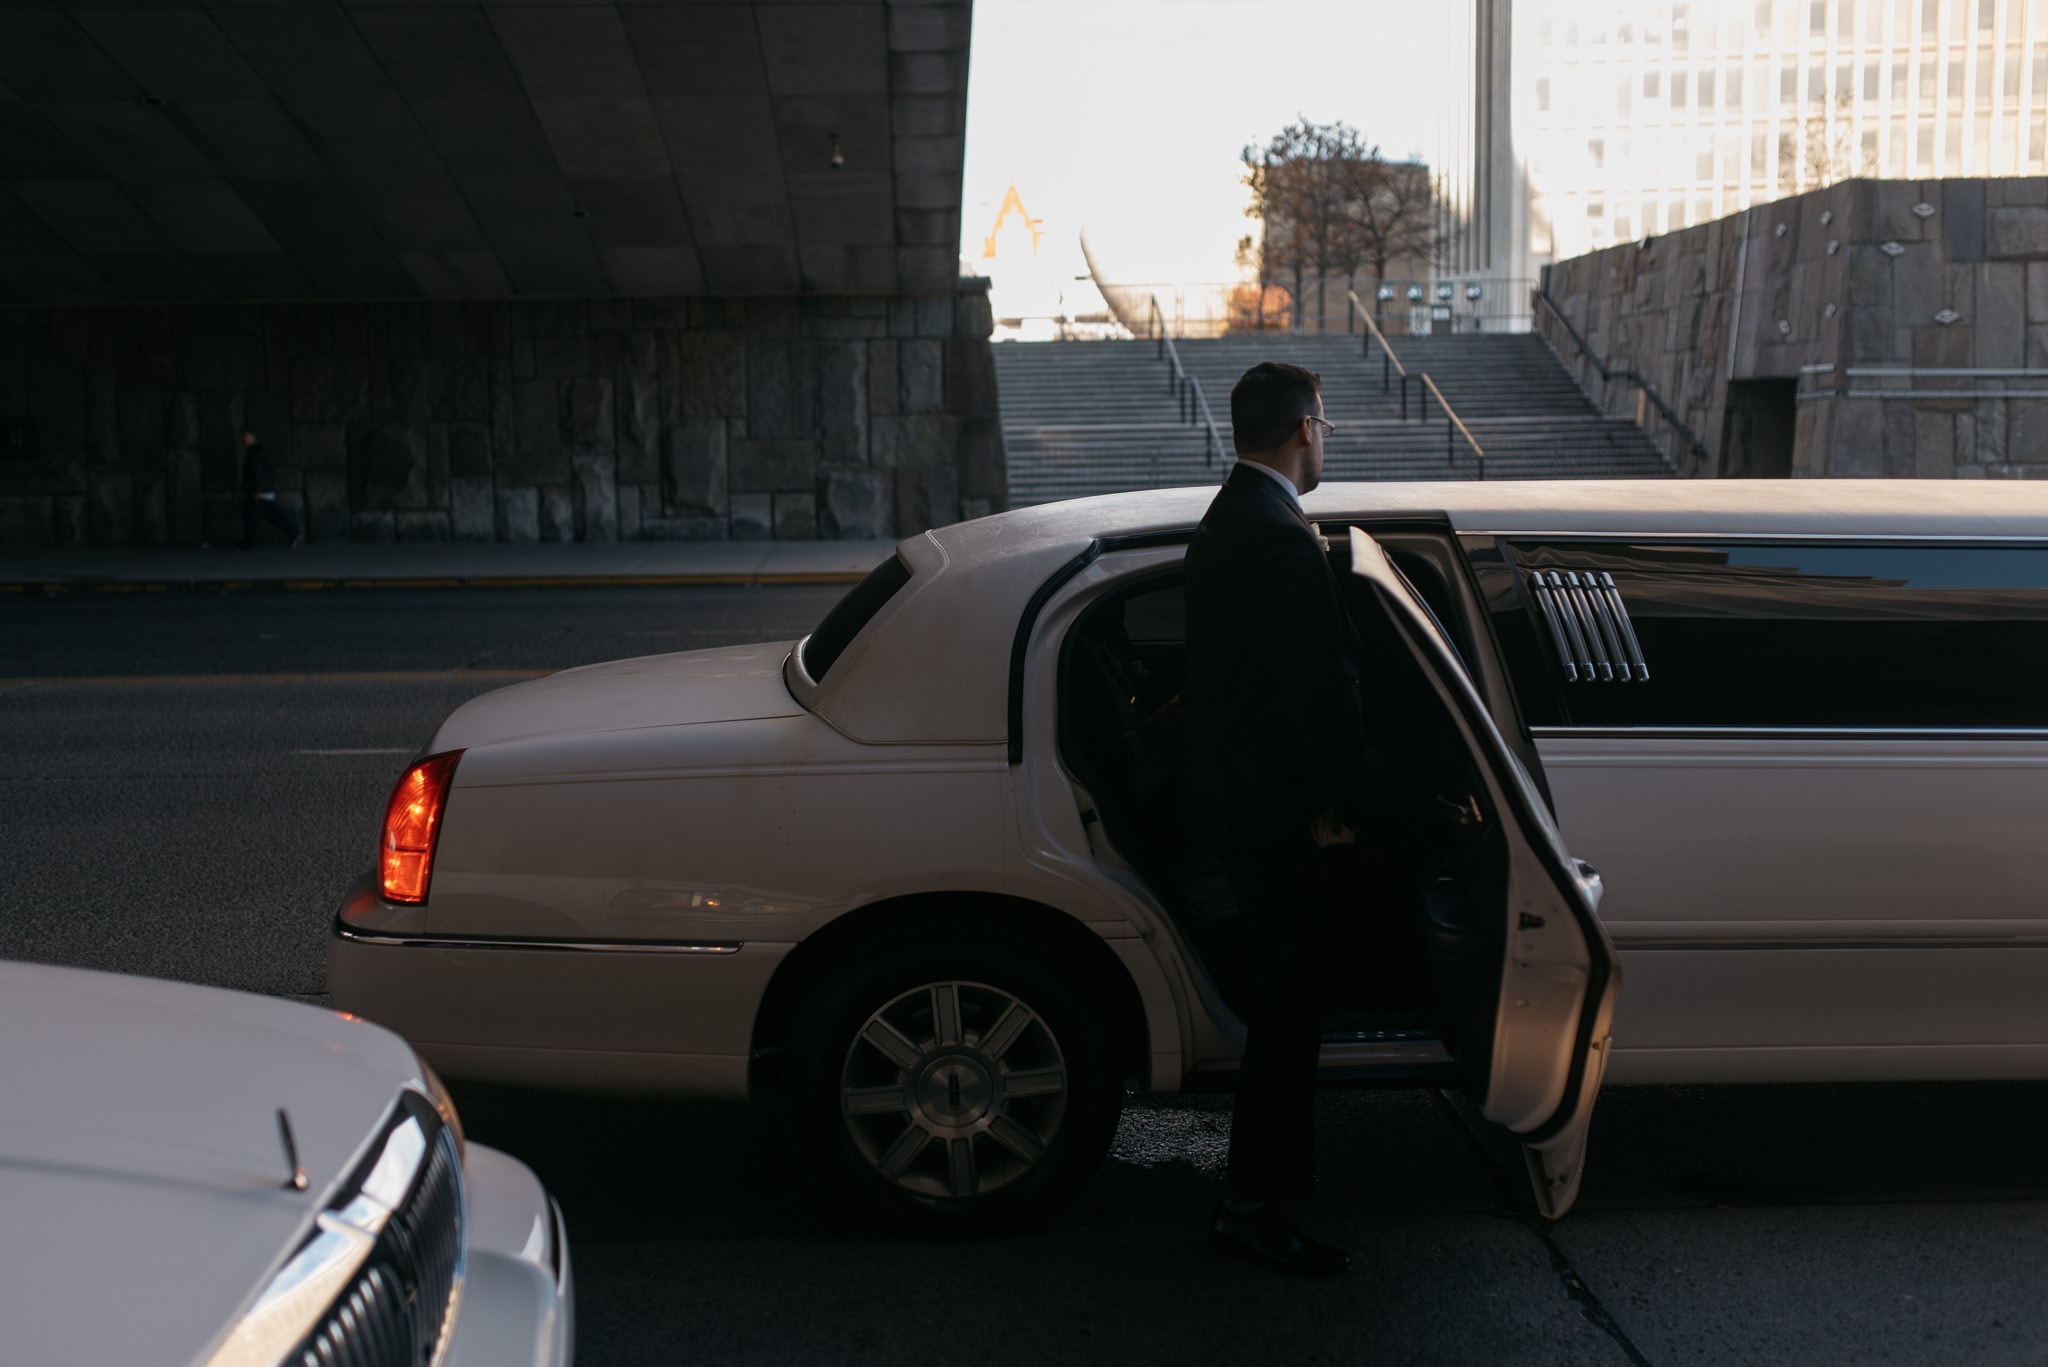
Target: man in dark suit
(1275, 776)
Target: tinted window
(853, 612)
(1775, 634)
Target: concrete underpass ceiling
(308, 149)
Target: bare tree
(1330, 204)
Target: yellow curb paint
(764, 580)
(345, 677)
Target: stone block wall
(1912, 314)
(567, 420)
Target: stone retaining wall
(584, 420)
(1912, 314)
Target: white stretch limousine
(925, 861)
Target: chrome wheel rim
(953, 1090)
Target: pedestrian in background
(259, 482)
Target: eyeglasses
(1327, 426)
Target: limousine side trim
(1973, 733)
(1734, 533)
(2005, 941)
(343, 930)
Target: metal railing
(1645, 390)
(1194, 404)
(1454, 427)
(1390, 364)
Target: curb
(761, 579)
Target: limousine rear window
(853, 612)
(1741, 633)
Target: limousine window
(1765, 633)
(851, 613)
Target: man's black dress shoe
(1267, 1236)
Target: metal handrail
(1194, 404)
(1454, 427)
(1388, 360)
(1624, 373)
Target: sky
(1127, 118)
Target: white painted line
(352, 752)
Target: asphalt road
(202, 829)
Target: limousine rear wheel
(955, 1086)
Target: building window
(1923, 149)
(1543, 31)
(2036, 138)
(2012, 76)
(1788, 85)
(1898, 84)
(1653, 82)
(1542, 94)
(1788, 162)
(1952, 148)
(1870, 151)
(1706, 90)
(1731, 90)
(1987, 13)
(1623, 93)
(1955, 78)
(1681, 33)
(1759, 157)
(1986, 69)
(1930, 18)
(1595, 209)
(1816, 85)
(1870, 82)
(1596, 152)
(1927, 80)
(1763, 18)
(1817, 17)
(1703, 164)
(1678, 90)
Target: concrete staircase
(1097, 417)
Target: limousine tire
(954, 1087)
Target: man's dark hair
(1268, 402)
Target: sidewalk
(361, 565)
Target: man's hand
(1329, 829)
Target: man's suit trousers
(1284, 920)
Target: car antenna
(297, 1180)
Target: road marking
(403, 751)
(352, 677)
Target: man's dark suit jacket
(1272, 727)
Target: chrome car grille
(376, 1281)
(396, 1313)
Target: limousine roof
(933, 665)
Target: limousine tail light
(412, 822)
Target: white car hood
(142, 1181)
(732, 683)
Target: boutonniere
(1321, 540)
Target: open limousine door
(1527, 973)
